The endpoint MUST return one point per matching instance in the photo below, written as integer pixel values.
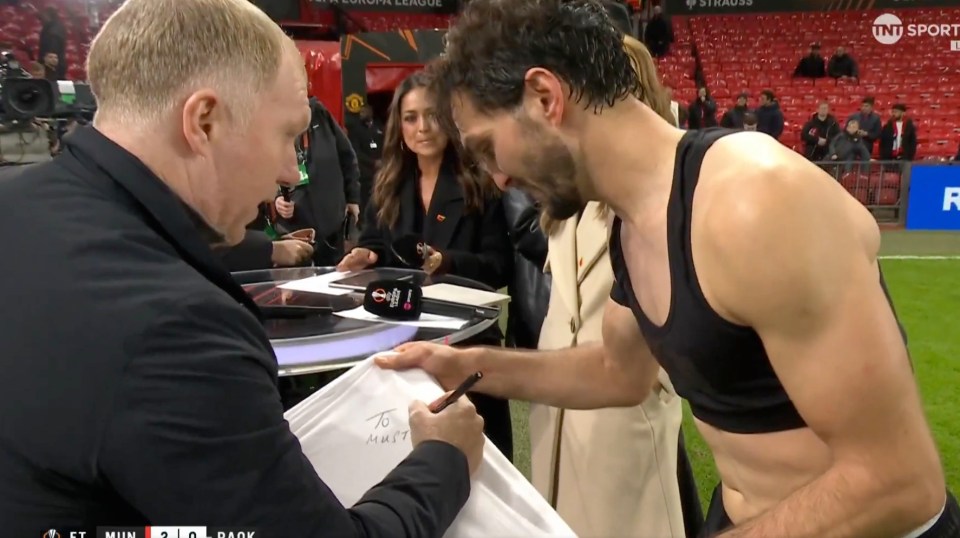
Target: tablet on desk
(360, 280)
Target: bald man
(742, 269)
(138, 385)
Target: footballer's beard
(552, 178)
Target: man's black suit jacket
(138, 386)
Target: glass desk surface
(325, 343)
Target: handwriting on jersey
(386, 431)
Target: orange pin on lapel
(441, 218)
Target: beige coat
(608, 472)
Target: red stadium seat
(766, 47)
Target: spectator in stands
(898, 139)
(842, 65)
(848, 147)
(812, 65)
(733, 118)
(769, 115)
(51, 67)
(53, 38)
(703, 110)
(819, 131)
(750, 121)
(659, 34)
(870, 122)
(37, 70)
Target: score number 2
(177, 532)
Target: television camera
(23, 98)
(28, 104)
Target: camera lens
(28, 97)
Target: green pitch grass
(927, 299)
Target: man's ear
(544, 95)
(203, 119)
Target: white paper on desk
(463, 295)
(356, 430)
(426, 321)
(318, 284)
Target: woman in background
(608, 472)
(703, 110)
(426, 190)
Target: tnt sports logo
(379, 295)
(888, 29)
(52, 533)
(691, 4)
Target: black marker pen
(461, 390)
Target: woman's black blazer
(474, 245)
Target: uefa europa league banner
(720, 7)
(404, 6)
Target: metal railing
(881, 186)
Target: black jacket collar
(169, 216)
(446, 206)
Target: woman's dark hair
(399, 163)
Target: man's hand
(357, 259)
(353, 209)
(291, 252)
(620, 372)
(450, 366)
(284, 208)
(458, 425)
(822, 141)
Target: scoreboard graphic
(156, 532)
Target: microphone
(403, 301)
(393, 299)
(285, 193)
(410, 249)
